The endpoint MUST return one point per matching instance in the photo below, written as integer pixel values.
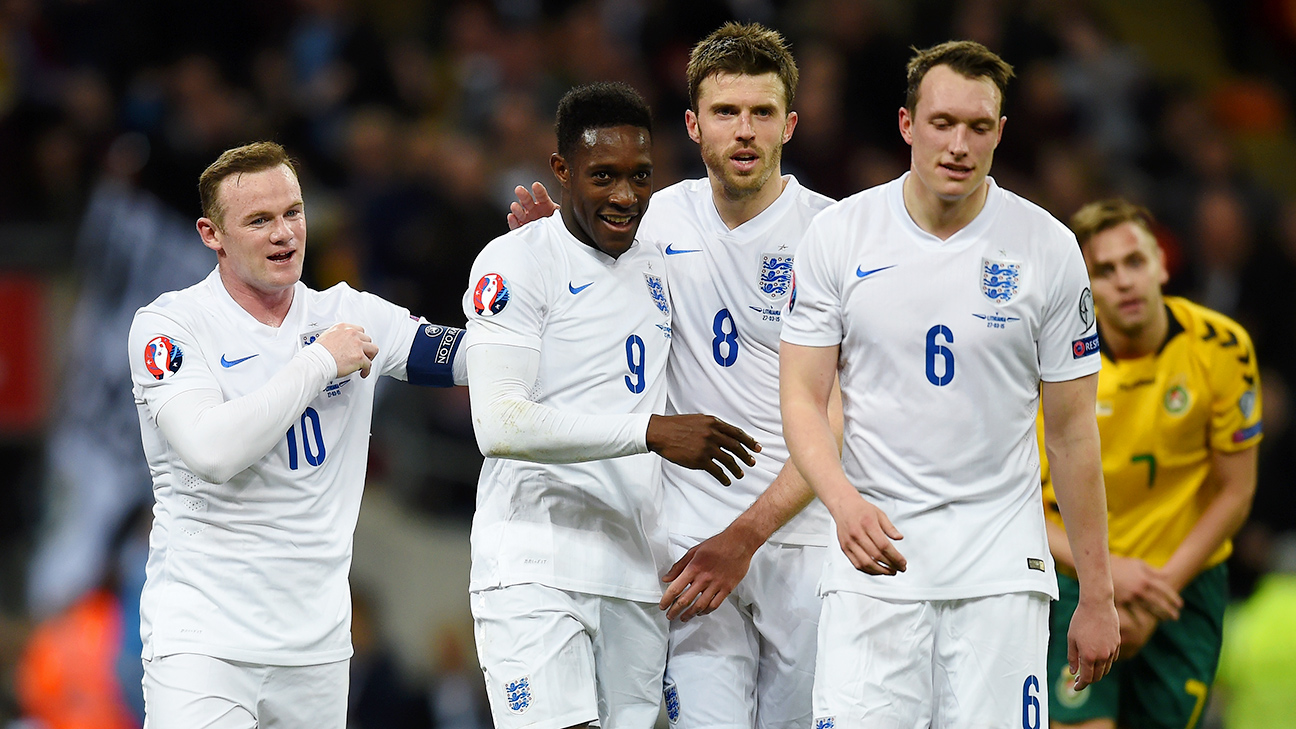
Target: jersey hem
(267, 658)
(586, 588)
(933, 594)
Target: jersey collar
(965, 237)
(755, 227)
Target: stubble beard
(741, 187)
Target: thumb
(887, 527)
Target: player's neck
(1140, 342)
(268, 307)
(939, 216)
(735, 209)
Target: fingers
(678, 568)
(716, 472)
(702, 601)
(729, 463)
(887, 527)
(525, 199)
(684, 601)
(738, 442)
(541, 194)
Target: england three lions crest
(775, 275)
(658, 292)
(1000, 280)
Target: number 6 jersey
(255, 569)
(943, 347)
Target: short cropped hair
(598, 106)
(749, 49)
(1103, 215)
(968, 58)
(255, 157)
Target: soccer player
(255, 403)
(569, 327)
(951, 308)
(747, 554)
(1179, 415)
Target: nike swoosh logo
(862, 273)
(578, 289)
(672, 252)
(228, 363)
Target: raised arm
(1071, 440)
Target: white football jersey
(943, 347)
(602, 327)
(255, 569)
(728, 289)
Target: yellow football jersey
(1159, 417)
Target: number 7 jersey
(943, 348)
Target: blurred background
(413, 121)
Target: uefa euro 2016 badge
(825, 722)
(491, 295)
(671, 695)
(658, 292)
(775, 275)
(518, 694)
(1000, 280)
(162, 357)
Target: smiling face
(606, 183)
(741, 124)
(1126, 272)
(260, 237)
(953, 131)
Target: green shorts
(1163, 685)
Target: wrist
(747, 533)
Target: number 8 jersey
(943, 347)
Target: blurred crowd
(414, 120)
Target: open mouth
(283, 256)
(745, 160)
(617, 221)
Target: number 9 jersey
(943, 347)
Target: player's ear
(691, 124)
(906, 125)
(210, 233)
(789, 126)
(560, 169)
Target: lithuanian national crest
(1000, 280)
(775, 275)
(658, 292)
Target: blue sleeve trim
(431, 356)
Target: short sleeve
(1068, 343)
(505, 302)
(1235, 387)
(814, 309)
(165, 360)
(392, 328)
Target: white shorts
(751, 662)
(188, 690)
(971, 664)
(554, 658)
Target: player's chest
(984, 298)
(731, 285)
(1152, 405)
(244, 361)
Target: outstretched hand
(531, 205)
(703, 443)
(706, 574)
